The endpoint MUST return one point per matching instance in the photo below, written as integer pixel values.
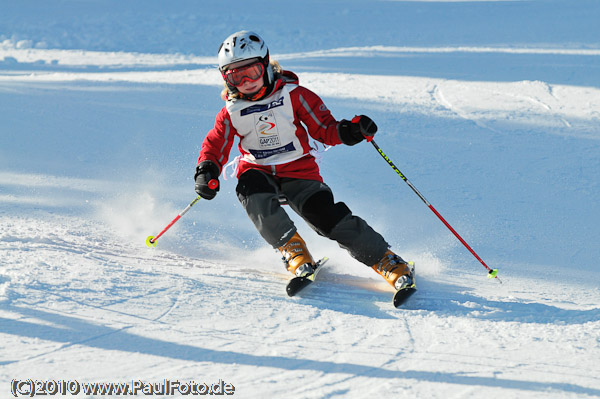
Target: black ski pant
(260, 195)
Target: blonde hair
(225, 93)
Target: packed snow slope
(490, 108)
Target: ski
(402, 295)
(297, 284)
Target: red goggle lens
(237, 76)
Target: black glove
(355, 131)
(205, 172)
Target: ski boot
(296, 257)
(394, 270)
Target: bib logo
(262, 107)
(266, 128)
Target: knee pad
(253, 182)
(320, 211)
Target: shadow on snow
(75, 331)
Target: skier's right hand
(205, 172)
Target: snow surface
(491, 108)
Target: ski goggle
(237, 76)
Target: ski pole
(492, 273)
(151, 240)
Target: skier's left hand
(360, 128)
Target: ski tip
(150, 242)
(296, 284)
(402, 295)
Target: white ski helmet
(245, 45)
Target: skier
(273, 116)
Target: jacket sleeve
(219, 140)
(313, 113)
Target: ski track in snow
(402, 91)
(106, 296)
(82, 297)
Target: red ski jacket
(273, 132)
